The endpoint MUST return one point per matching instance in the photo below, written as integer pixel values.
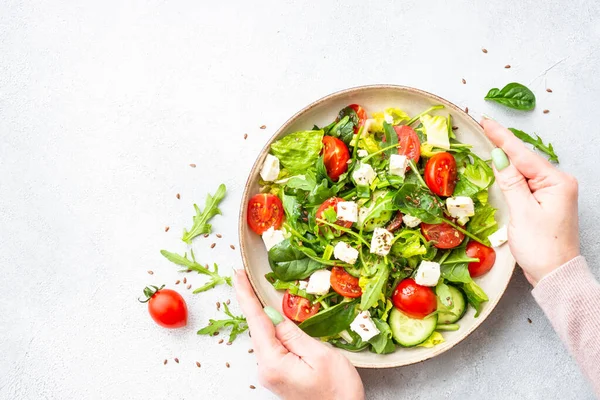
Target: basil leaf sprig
(513, 95)
(537, 143)
(211, 208)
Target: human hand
(291, 364)
(543, 232)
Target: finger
(528, 163)
(266, 345)
(515, 189)
(299, 343)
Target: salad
(375, 228)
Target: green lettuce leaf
(382, 343)
(436, 130)
(289, 263)
(483, 223)
(298, 151)
(409, 243)
(479, 173)
(475, 295)
(372, 286)
(433, 340)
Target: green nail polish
(499, 159)
(273, 315)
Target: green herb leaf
(419, 202)
(238, 325)
(184, 261)
(331, 321)
(298, 151)
(537, 143)
(443, 293)
(382, 343)
(513, 95)
(433, 340)
(201, 219)
(372, 286)
(409, 243)
(458, 273)
(289, 263)
(483, 223)
(475, 295)
(391, 138)
(459, 256)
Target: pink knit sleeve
(570, 298)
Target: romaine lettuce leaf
(298, 151)
(410, 243)
(436, 130)
(372, 286)
(483, 223)
(433, 340)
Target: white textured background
(103, 104)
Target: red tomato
(362, 116)
(264, 211)
(335, 157)
(415, 300)
(332, 202)
(408, 141)
(442, 235)
(297, 308)
(344, 283)
(395, 223)
(166, 307)
(486, 255)
(440, 174)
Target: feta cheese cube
(364, 175)
(463, 220)
(398, 164)
(347, 211)
(364, 326)
(302, 285)
(271, 237)
(318, 283)
(460, 206)
(388, 118)
(411, 221)
(362, 153)
(270, 169)
(499, 237)
(428, 273)
(342, 251)
(381, 243)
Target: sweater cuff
(552, 287)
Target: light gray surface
(104, 104)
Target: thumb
(512, 183)
(298, 342)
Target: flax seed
(218, 305)
(228, 302)
(232, 247)
(221, 341)
(507, 66)
(212, 246)
(245, 136)
(228, 343)
(546, 111)
(263, 127)
(529, 320)
(252, 387)
(484, 50)
(176, 360)
(464, 81)
(193, 165)
(250, 351)
(454, 128)
(150, 272)
(178, 196)
(219, 235)
(189, 286)
(198, 364)
(549, 90)
(177, 282)
(206, 235)
(467, 110)
(216, 333)
(184, 280)
(165, 362)
(227, 365)
(167, 229)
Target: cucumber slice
(459, 308)
(409, 331)
(370, 224)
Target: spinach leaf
(458, 273)
(382, 343)
(458, 256)
(355, 345)
(416, 201)
(350, 113)
(306, 182)
(289, 263)
(513, 95)
(343, 129)
(537, 143)
(443, 293)
(391, 138)
(298, 151)
(372, 286)
(475, 295)
(331, 321)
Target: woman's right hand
(543, 232)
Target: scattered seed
(184, 280)
(228, 343)
(198, 364)
(365, 316)
(150, 272)
(245, 136)
(546, 111)
(467, 110)
(464, 81)
(454, 128)
(178, 196)
(219, 235)
(206, 235)
(252, 387)
(212, 246)
(305, 219)
(188, 270)
(167, 229)
(221, 341)
(193, 165)
(228, 302)
(177, 282)
(507, 66)
(216, 333)
(232, 247)
(206, 266)
(263, 127)
(176, 360)
(529, 320)
(165, 362)
(484, 50)
(549, 90)
(227, 365)
(362, 325)
(189, 286)
(250, 351)
(218, 305)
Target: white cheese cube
(428, 273)
(270, 169)
(347, 211)
(364, 326)
(388, 118)
(398, 164)
(362, 153)
(302, 285)
(463, 220)
(342, 251)
(364, 175)
(411, 221)
(271, 237)
(460, 206)
(499, 237)
(381, 243)
(318, 283)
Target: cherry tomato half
(486, 255)
(440, 174)
(415, 300)
(297, 308)
(344, 283)
(442, 235)
(362, 116)
(335, 157)
(167, 308)
(332, 202)
(264, 211)
(408, 142)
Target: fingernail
(273, 315)
(485, 116)
(499, 159)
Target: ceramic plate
(377, 98)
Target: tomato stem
(150, 291)
(463, 231)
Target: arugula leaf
(238, 325)
(184, 261)
(319, 194)
(331, 321)
(414, 200)
(479, 173)
(306, 182)
(298, 151)
(443, 293)
(513, 95)
(372, 286)
(475, 295)
(433, 340)
(382, 343)
(289, 263)
(464, 187)
(458, 256)
(483, 223)
(457, 273)
(201, 219)
(391, 138)
(537, 143)
(292, 286)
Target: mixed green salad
(376, 227)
